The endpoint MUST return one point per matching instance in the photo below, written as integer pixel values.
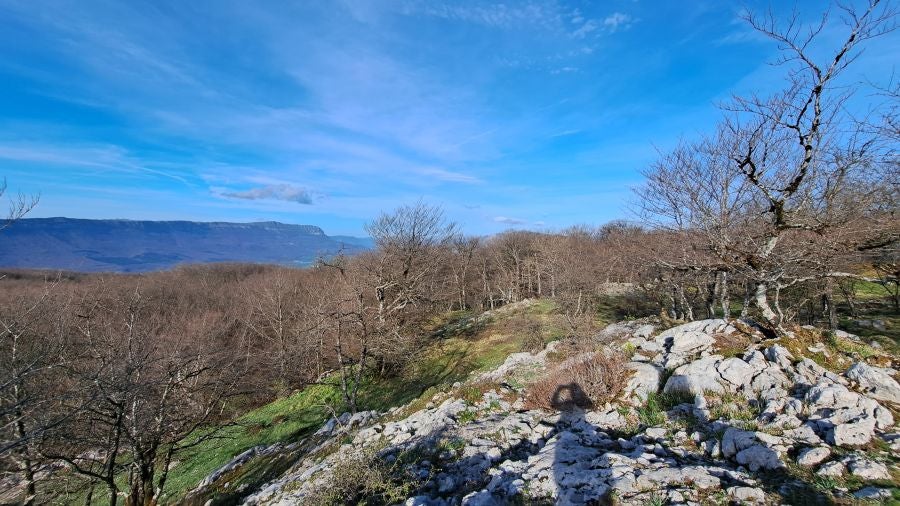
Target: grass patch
(653, 412)
(731, 406)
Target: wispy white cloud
(103, 158)
(617, 21)
(285, 192)
(498, 15)
(586, 28)
(450, 176)
(506, 220)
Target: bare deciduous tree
(780, 190)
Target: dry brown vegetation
(585, 381)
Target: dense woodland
(776, 216)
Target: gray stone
(479, 498)
(833, 469)
(846, 335)
(735, 440)
(869, 469)
(683, 341)
(644, 331)
(713, 448)
(759, 457)
(644, 381)
(771, 378)
(779, 355)
(655, 433)
(747, 495)
(873, 494)
(830, 396)
(876, 382)
(735, 371)
(696, 377)
(852, 434)
(811, 373)
(811, 457)
(689, 342)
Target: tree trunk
(687, 310)
(847, 292)
(712, 289)
(828, 305)
(724, 299)
(26, 464)
(748, 296)
(673, 308)
(761, 300)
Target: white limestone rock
(811, 457)
(747, 495)
(645, 380)
(868, 469)
(876, 382)
(696, 377)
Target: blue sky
(523, 114)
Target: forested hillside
(140, 246)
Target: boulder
(690, 342)
(736, 371)
(873, 494)
(811, 373)
(824, 396)
(779, 355)
(734, 440)
(696, 377)
(868, 469)
(876, 382)
(772, 381)
(811, 457)
(644, 381)
(759, 457)
(747, 495)
(688, 339)
(833, 469)
(852, 434)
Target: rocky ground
(712, 413)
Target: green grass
(653, 412)
(889, 338)
(286, 419)
(867, 290)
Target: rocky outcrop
(764, 411)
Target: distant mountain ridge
(140, 246)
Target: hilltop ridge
(120, 245)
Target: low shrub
(585, 381)
(366, 479)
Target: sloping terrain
(139, 246)
(710, 412)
